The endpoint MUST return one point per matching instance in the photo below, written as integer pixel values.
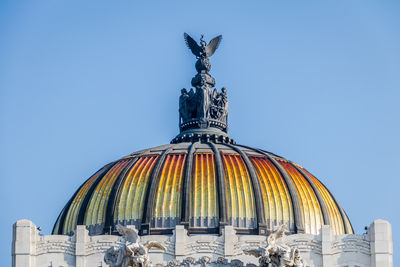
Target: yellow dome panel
(309, 205)
(203, 193)
(95, 214)
(167, 209)
(335, 216)
(240, 197)
(130, 200)
(276, 197)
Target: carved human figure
(277, 253)
(130, 254)
(219, 107)
(183, 106)
(214, 109)
(203, 96)
(225, 105)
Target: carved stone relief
(132, 253)
(277, 253)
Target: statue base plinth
(207, 135)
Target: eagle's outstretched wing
(154, 244)
(192, 44)
(255, 252)
(213, 45)
(129, 234)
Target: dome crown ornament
(203, 110)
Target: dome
(203, 186)
(203, 180)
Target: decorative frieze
(99, 246)
(55, 246)
(352, 243)
(203, 246)
(202, 250)
(206, 262)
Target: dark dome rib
(223, 217)
(185, 209)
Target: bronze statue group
(203, 103)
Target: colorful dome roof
(203, 186)
(203, 180)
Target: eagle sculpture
(132, 253)
(203, 50)
(130, 235)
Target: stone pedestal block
(180, 235)
(24, 243)
(82, 236)
(229, 241)
(326, 243)
(380, 233)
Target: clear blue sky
(83, 83)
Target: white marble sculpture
(277, 253)
(130, 254)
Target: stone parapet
(30, 249)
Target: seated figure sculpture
(216, 107)
(219, 106)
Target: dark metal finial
(203, 110)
